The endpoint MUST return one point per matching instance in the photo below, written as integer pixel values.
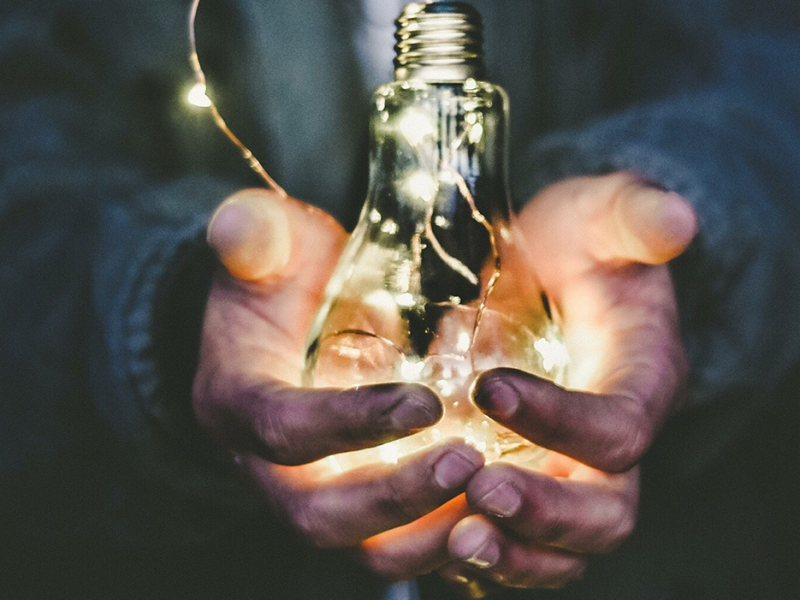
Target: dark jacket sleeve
(104, 273)
(729, 141)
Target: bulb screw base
(439, 42)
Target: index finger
(292, 426)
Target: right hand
(278, 255)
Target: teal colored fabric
(107, 179)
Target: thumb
(250, 234)
(647, 225)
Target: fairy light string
(199, 97)
(202, 86)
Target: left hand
(599, 246)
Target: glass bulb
(433, 286)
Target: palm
(261, 325)
(598, 247)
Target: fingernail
(503, 501)
(476, 547)
(680, 215)
(415, 413)
(454, 470)
(251, 236)
(497, 399)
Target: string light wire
(461, 183)
(200, 77)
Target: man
(697, 100)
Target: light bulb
(433, 287)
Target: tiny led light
(416, 126)
(475, 133)
(411, 370)
(553, 353)
(197, 96)
(464, 342)
(405, 300)
(390, 453)
(422, 186)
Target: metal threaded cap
(439, 42)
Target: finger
(358, 505)
(414, 549)
(642, 223)
(596, 220)
(571, 515)
(293, 426)
(478, 543)
(609, 432)
(250, 234)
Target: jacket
(107, 180)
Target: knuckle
(399, 502)
(622, 524)
(631, 440)
(546, 523)
(309, 524)
(274, 434)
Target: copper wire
(200, 76)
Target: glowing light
(464, 342)
(380, 299)
(442, 222)
(197, 96)
(476, 133)
(416, 127)
(405, 300)
(446, 388)
(390, 453)
(411, 370)
(505, 234)
(447, 177)
(374, 216)
(422, 186)
(553, 353)
(390, 227)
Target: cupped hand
(599, 246)
(278, 255)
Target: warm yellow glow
(390, 227)
(405, 300)
(447, 177)
(553, 352)
(476, 133)
(416, 127)
(411, 370)
(422, 186)
(464, 342)
(390, 453)
(197, 96)
(380, 300)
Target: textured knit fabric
(107, 179)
